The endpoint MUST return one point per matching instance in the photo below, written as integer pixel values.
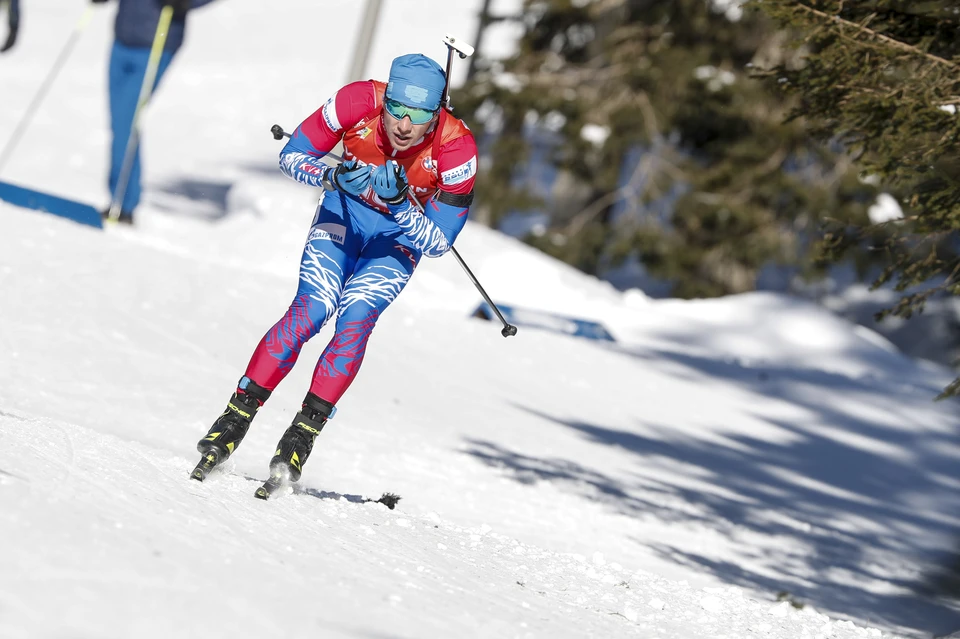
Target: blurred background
(692, 148)
(701, 149)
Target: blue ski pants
(355, 263)
(128, 66)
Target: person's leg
(128, 67)
(383, 269)
(328, 257)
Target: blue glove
(390, 182)
(351, 178)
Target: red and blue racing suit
(360, 252)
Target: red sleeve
(457, 165)
(326, 126)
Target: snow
(885, 209)
(671, 485)
(595, 134)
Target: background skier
(134, 31)
(366, 239)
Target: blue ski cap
(417, 81)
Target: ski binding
(207, 463)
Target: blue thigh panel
(329, 256)
(384, 266)
(356, 262)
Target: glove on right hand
(390, 182)
(351, 178)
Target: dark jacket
(13, 25)
(137, 21)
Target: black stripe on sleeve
(455, 199)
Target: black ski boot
(295, 446)
(230, 428)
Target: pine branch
(903, 46)
(644, 167)
(581, 219)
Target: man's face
(401, 131)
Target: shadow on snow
(805, 488)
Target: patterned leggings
(355, 263)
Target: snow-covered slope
(669, 485)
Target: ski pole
(45, 85)
(464, 50)
(146, 90)
(509, 329)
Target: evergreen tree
(882, 78)
(669, 82)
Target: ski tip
(389, 500)
(198, 475)
(271, 486)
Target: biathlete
(366, 240)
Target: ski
(279, 479)
(272, 485)
(387, 499)
(209, 461)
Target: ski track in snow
(484, 583)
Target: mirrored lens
(399, 111)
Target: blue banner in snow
(48, 203)
(549, 321)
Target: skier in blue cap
(366, 239)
